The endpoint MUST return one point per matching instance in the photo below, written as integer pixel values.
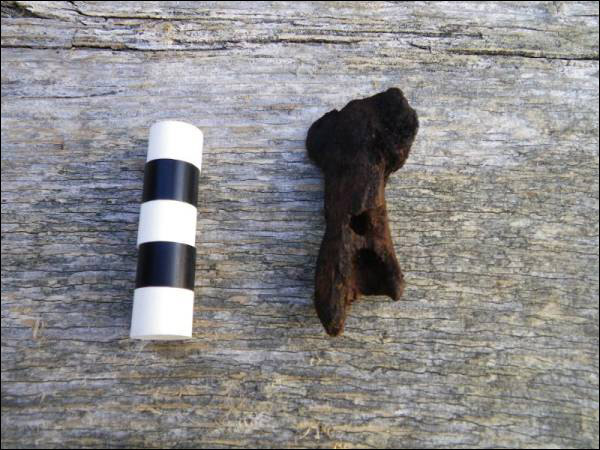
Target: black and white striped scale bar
(163, 300)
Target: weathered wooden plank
(495, 219)
(569, 31)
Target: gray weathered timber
(494, 218)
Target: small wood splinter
(357, 149)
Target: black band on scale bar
(170, 179)
(162, 263)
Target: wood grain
(494, 218)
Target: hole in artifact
(371, 272)
(360, 223)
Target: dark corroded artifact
(357, 149)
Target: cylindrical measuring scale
(163, 300)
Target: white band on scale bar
(163, 300)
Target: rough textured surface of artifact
(358, 148)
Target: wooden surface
(494, 219)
